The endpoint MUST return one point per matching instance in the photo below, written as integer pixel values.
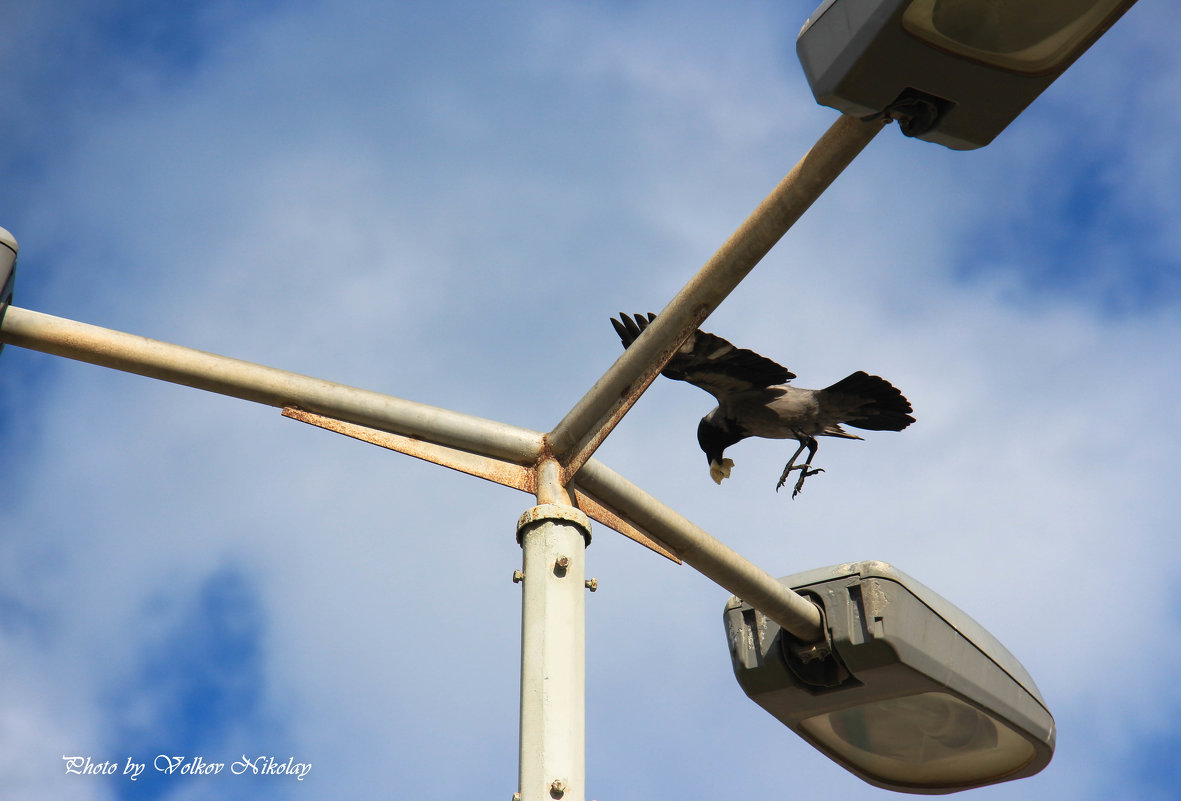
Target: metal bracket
(520, 477)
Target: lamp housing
(956, 72)
(906, 691)
(8, 250)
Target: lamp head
(907, 692)
(8, 250)
(956, 72)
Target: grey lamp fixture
(8, 249)
(907, 691)
(956, 72)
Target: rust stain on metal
(494, 470)
(601, 514)
(504, 473)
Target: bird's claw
(805, 471)
(787, 472)
(804, 474)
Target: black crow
(755, 400)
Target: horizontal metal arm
(710, 557)
(281, 389)
(266, 385)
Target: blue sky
(446, 204)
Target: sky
(446, 202)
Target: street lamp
(956, 72)
(905, 691)
(8, 249)
(879, 673)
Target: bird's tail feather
(877, 405)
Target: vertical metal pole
(553, 653)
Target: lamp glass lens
(928, 740)
(1020, 35)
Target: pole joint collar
(554, 512)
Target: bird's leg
(791, 466)
(806, 468)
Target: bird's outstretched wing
(708, 361)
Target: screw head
(592, 584)
(518, 577)
(563, 562)
(557, 788)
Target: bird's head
(714, 437)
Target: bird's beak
(719, 471)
